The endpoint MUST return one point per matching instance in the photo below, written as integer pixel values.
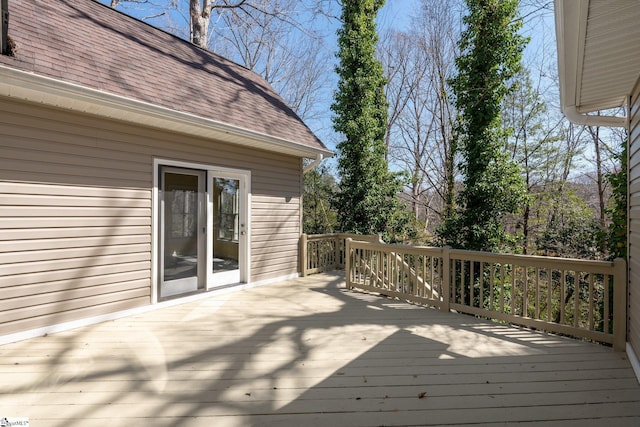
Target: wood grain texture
(307, 352)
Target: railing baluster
(472, 283)
(563, 296)
(481, 292)
(549, 276)
(437, 279)
(513, 288)
(456, 281)
(591, 302)
(576, 299)
(403, 260)
(423, 271)
(445, 275)
(525, 291)
(502, 289)
(462, 282)
(537, 287)
(608, 279)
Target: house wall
(634, 221)
(76, 212)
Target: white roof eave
(32, 87)
(571, 27)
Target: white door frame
(190, 284)
(244, 179)
(244, 253)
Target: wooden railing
(325, 252)
(579, 298)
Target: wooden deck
(309, 353)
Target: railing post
(336, 251)
(619, 304)
(446, 279)
(303, 255)
(347, 262)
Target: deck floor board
(308, 352)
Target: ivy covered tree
(618, 207)
(317, 216)
(490, 55)
(366, 200)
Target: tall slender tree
(618, 206)
(490, 55)
(366, 200)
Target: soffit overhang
(598, 53)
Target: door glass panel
(226, 225)
(181, 245)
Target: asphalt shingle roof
(87, 43)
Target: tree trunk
(595, 134)
(200, 17)
(450, 155)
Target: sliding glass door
(182, 231)
(228, 222)
(202, 229)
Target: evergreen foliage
(618, 208)
(317, 216)
(491, 51)
(366, 201)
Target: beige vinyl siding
(634, 220)
(76, 212)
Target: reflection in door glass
(180, 226)
(226, 224)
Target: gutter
(313, 164)
(572, 114)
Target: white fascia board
(32, 87)
(566, 49)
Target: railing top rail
(372, 238)
(533, 260)
(359, 237)
(432, 250)
(603, 267)
(322, 236)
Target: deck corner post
(619, 304)
(347, 261)
(446, 278)
(303, 255)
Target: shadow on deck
(308, 352)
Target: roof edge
(28, 86)
(571, 20)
